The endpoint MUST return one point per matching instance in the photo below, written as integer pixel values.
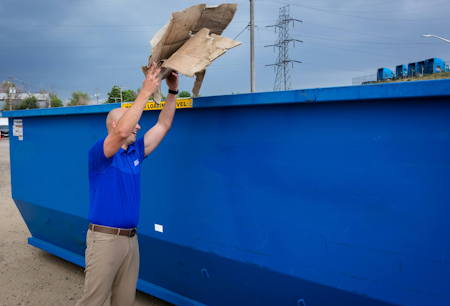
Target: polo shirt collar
(131, 148)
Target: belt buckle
(132, 232)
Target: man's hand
(152, 81)
(172, 81)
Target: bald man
(112, 254)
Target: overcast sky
(81, 45)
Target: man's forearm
(168, 112)
(128, 121)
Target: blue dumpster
(412, 69)
(331, 196)
(435, 65)
(401, 71)
(384, 74)
(422, 67)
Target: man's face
(133, 135)
(116, 115)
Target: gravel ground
(30, 276)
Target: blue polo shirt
(115, 185)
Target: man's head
(113, 118)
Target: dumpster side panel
(342, 202)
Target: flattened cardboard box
(191, 41)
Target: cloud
(104, 43)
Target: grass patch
(434, 76)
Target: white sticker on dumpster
(158, 228)
(20, 133)
(18, 128)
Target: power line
(113, 47)
(262, 53)
(133, 78)
(51, 47)
(117, 32)
(391, 11)
(33, 48)
(96, 4)
(351, 31)
(388, 2)
(359, 51)
(242, 2)
(340, 6)
(371, 42)
(340, 68)
(130, 75)
(370, 47)
(97, 25)
(259, 65)
(352, 57)
(86, 2)
(355, 41)
(374, 35)
(347, 15)
(362, 33)
(117, 69)
(242, 31)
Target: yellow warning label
(181, 103)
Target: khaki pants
(112, 265)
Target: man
(112, 254)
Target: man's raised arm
(156, 134)
(119, 130)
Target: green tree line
(77, 98)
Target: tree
(53, 96)
(55, 101)
(5, 86)
(114, 93)
(29, 103)
(184, 94)
(7, 103)
(127, 95)
(79, 98)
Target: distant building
(43, 99)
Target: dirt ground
(30, 276)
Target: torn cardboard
(190, 42)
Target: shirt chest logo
(136, 162)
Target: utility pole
(283, 77)
(252, 44)
(121, 100)
(10, 93)
(98, 95)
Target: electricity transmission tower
(283, 76)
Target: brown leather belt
(113, 231)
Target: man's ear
(113, 123)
